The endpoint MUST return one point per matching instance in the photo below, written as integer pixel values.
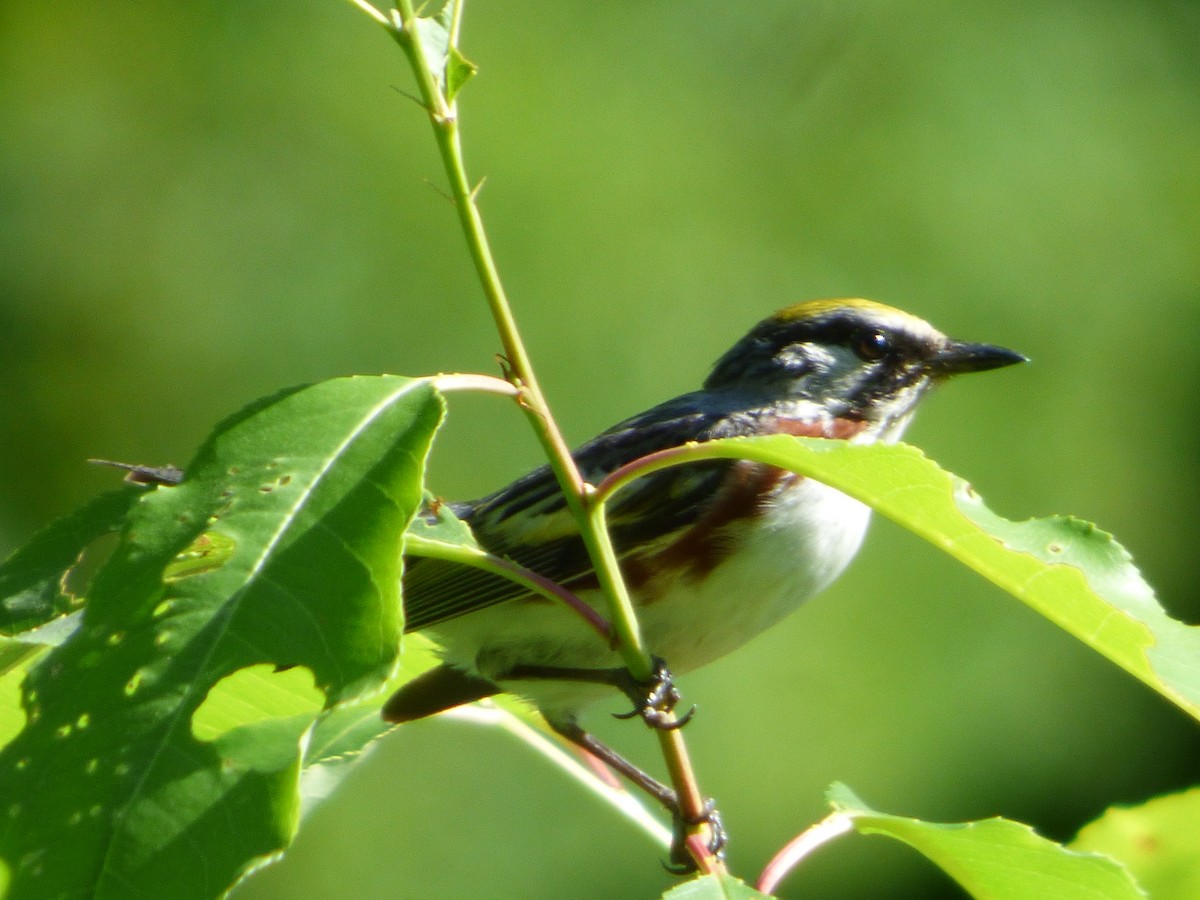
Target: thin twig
(612, 792)
(527, 578)
(832, 826)
(448, 382)
(371, 11)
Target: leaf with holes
(165, 735)
(1071, 572)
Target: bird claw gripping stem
(681, 862)
(655, 701)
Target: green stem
(443, 116)
(469, 556)
(623, 615)
(656, 462)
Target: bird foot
(655, 701)
(682, 861)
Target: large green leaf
(1071, 572)
(163, 749)
(1159, 841)
(997, 859)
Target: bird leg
(655, 702)
(681, 859)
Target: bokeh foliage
(202, 204)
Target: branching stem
(439, 103)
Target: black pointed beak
(957, 357)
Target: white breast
(793, 550)
(796, 549)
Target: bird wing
(529, 522)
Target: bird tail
(435, 691)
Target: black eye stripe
(790, 348)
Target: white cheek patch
(800, 359)
(841, 371)
(822, 357)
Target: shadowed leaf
(280, 548)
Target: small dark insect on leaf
(135, 474)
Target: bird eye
(871, 345)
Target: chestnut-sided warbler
(713, 552)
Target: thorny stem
(587, 509)
(443, 116)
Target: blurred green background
(201, 203)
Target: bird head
(856, 359)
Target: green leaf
(12, 717)
(436, 525)
(344, 735)
(17, 654)
(459, 70)
(1069, 571)
(997, 859)
(31, 579)
(12, 654)
(255, 694)
(14, 651)
(36, 607)
(1158, 841)
(450, 68)
(713, 887)
(279, 548)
